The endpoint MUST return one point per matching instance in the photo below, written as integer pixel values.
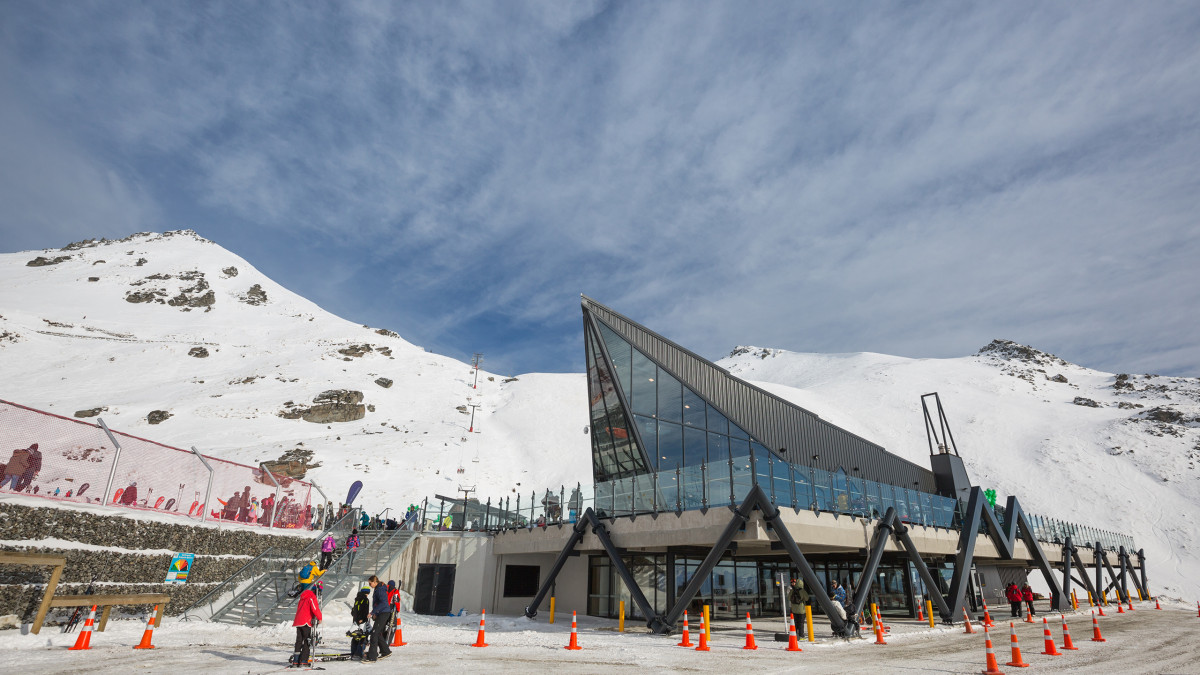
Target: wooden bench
(105, 601)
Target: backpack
(361, 608)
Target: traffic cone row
(750, 644)
(84, 641)
(1016, 648)
(574, 643)
(793, 643)
(145, 643)
(687, 640)
(1067, 644)
(993, 668)
(482, 619)
(703, 646)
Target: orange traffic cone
(703, 646)
(145, 643)
(1067, 644)
(793, 643)
(1101, 608)
(1028, 618)
(1096, 636)
(1156, 605)
(1016, 647)
(1198, 609)
(84, 641)
(1050, 649)
(687, 640)
(574, 643)
(993, 668)
(879, 630)
(967, 619)
(920, 612)
(1129, 601)
(398, 638)
(987, 617)
(1120, 609)
(482, 619)
(749, 634)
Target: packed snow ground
(68, 343)
(1145, 641)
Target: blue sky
(908, 178)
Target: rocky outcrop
(255, 296)
(146, 296)
(384, 382)
(198, 352)
(229, 272)
(158, 416)
(41, 261)
(1058, 378)
(334, 405)
(1012, 351)
(1086, 402)
(90, 412)
(387, 333)
(355, 351)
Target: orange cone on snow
(84, 641)
(993, 668)
(574, 643)
(482, 619)
(920, 612)
(1096, 636)
(879, 630)
(967, 619)
(145, 643)
(1120, 609)
(1101, 608)
(987, 617)
(398, 638)
(703, 646)
(1067, 644)
(793, 643)
(1028, 618)
(1050, 649)
(1156, 605)
(750, 644)
(1016, 647)
(687, 640)
(1129, 601)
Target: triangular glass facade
(615, 453)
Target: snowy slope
(1117, 466)
(70, 344)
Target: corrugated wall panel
(775, 422)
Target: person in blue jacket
(381, 616)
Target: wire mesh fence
(66, 459)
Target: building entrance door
(434, 593)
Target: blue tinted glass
(693, 409)
(717, 421)
(670, 398)
(742, 478)
(841, 500)
(739, 448)
(821, 486)
(644, 395)
(874, 506)
(804, 493)
(736, 431)
(694, 453)
(693, 487)
(718, 448)
(670, 445)
(668, 489)
(619, 350)
(858, 501)
(648, 429)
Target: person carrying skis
(308, 613)
(327, 548)
(381, 615)
(1014, 599)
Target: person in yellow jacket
(310, 573)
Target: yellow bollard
(621, 619)
(1140, 596)
(707, 625)
(929, 611)
(1091, 603)
(1104, 597)
(1074, 600)
(808, 622)
(552, 609)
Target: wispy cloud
(911, 179)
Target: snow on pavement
(1145, 641)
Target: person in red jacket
(308, 610)
(1014, 599)
(1027, 595)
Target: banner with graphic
(181, 567)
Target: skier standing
(308, 611)
(381, 615)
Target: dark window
(521, 581)
(693, 409)
(670, 446)
(670, 398)
(619, 350)
(645, 394)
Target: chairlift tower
(475, 361)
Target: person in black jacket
(381, 616)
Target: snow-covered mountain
(174, 322)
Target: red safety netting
(56, 457)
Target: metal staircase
(257, 594)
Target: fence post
(208, 490)
(324, 500)
(112, 473)
(274, 498)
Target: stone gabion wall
(219, 553)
